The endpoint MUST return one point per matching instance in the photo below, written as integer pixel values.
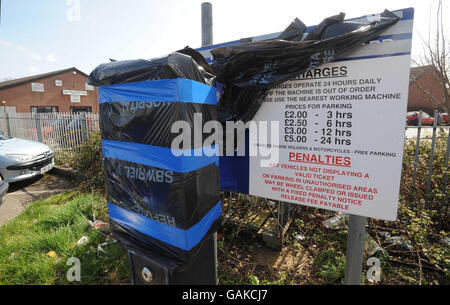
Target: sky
(38, 36)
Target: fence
(438, 133)
(64, 132)
(60, 131)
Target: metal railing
(60, 131)
(420, 135)
(64, 132)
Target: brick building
(425, 90)
(66, 91)
(59, 91)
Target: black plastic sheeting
(186, 63)
(248, 70)
(294, 32)
(134, 240)
(177, 199)
(125, 121)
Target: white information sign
(37, 87)
(75, 98)
(88, 87)
(341, 131)
(74, 92)
(341, 142)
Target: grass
(56, 224)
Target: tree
(437, 54)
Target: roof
(24, 80)
(416, 72)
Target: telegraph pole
(207, 24)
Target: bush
(418, 195)
(88, 162)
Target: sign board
(58, 83)
(75, 98)
(341, 132)
(88, 87)
(74, 92)
(37, 87)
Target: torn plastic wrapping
(135, 240)
(124, 121)
(140, 99)
(317, 32)
(248, 70)
(186, 64)
(158, 201)
(294, 32)
(175, 198)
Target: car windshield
(3, 137)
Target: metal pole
(207, 24)
(355, 247)
(444, 188)
(416, 157)
(8, 125)
(84, 128)
(444, 200)
(207, 39)
(430, 166)
(38, 127)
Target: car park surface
(21, 194)
(3, 189)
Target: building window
(44, 109)
(78, 109)
(58, 83)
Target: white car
(23, 159)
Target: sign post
(207, 39)
(355, 247)
(341, 136)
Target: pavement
(21, 194)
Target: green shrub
(417, 195)
(330, 264)
(88, 162)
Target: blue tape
(183, 239)
(161, 157)
(164, 90)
